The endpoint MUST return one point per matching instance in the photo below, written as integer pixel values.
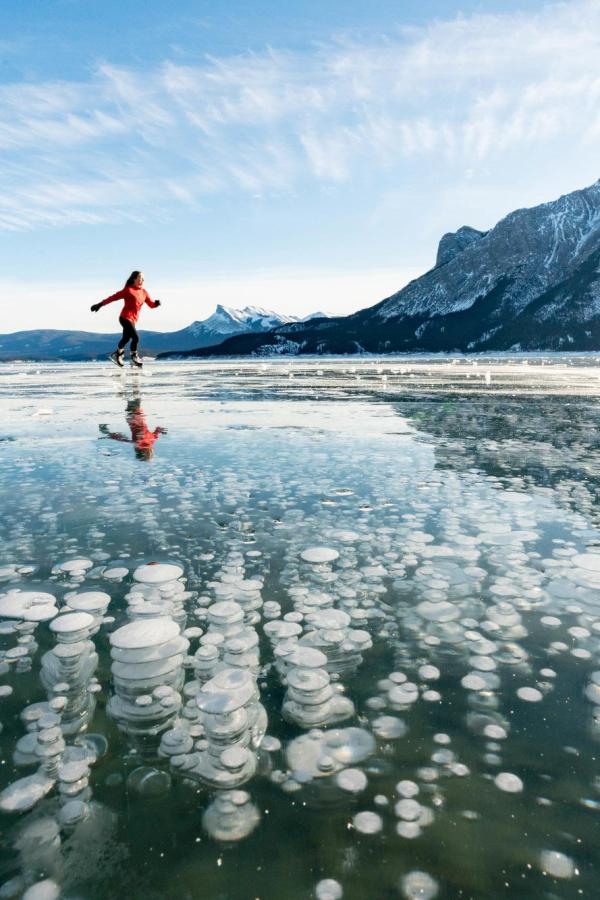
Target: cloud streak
(466, 91)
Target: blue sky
(298, 156)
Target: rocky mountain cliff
(73, 345)
(455, 242)
(530, 283)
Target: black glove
(95, 307)
(158, 303)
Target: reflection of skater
(134, 296)
(142, 438)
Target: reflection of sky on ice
(445, 649)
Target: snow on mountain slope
(227, 320)
(531, 282)
(533, 247)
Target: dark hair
(132, 278)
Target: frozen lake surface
(300, 629)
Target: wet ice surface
(323, 629)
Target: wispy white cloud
(467, 90)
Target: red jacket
(134, 300)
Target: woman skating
(134, 296)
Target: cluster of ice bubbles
(149, 651)
(67, 675)
(455, 609)
(187, 668)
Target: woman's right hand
(95, 307)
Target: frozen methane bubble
(148, 660)
(407, 788)
(206, 663)
(329, 630)
(495, 732)
(157, 573)
(73, 812)
(226, 617)
(418, 886)
(115, 573)
(321, 753)
(346, 536)
(149, 782)
(28, 606)
(329, 889)
(408, 809)
(158, 591)
(438, 612)
(429, 673)
(175, 742)
(43, 890)
(590, 562)
(72, 627)
(319, 555)
(67, 670)
(508, 782)
(227, 692)
(74, 566)
(310, 699)
(557, 864)
(248, 594)
(389, 728)
(529, 694)
(408, 830)
(367, 822)
(474, 682)
(403, 695)
(138, 635)
(231, 816)
(23, 794)
(550, 621)
(234, 722)
(304, 657)
(93, 602)
(352, 780)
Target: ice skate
(136, 360)
(118, 357)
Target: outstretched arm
(120, 295)
(150, 302)
(116, 436)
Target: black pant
(129, 334)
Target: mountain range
(75, 345)
(530, 283)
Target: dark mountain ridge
(530, 283)
(50, 344)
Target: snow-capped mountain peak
(227, 320)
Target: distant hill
(52, 344)
(530, 283)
